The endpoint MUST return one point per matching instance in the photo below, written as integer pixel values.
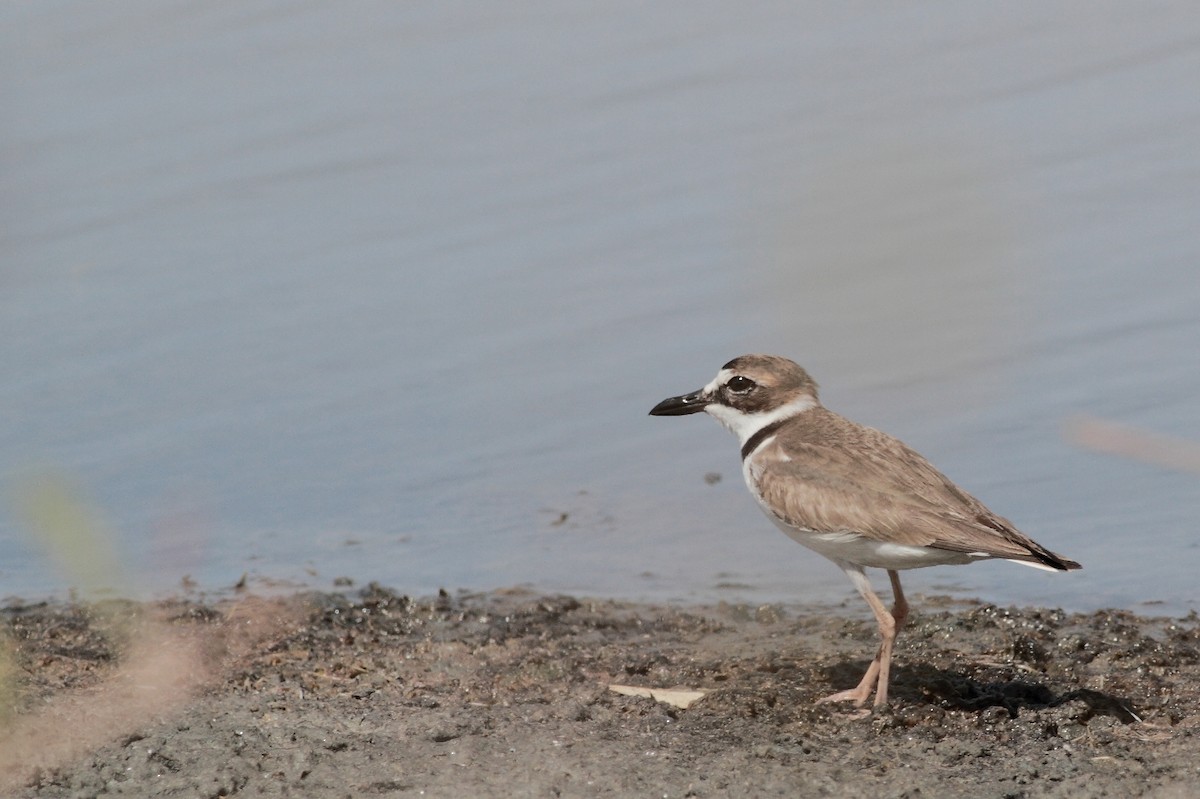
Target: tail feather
(1039, 556)
(1062, 565)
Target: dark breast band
(759, 437)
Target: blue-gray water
(384, 291)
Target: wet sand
(371, 693)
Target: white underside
(862, 551)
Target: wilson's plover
(854, 494)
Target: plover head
(749, 393)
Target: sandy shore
(374, 694)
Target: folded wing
(885, 491)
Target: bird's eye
(739, 384)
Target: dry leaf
(676, 697)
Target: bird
(854, 494)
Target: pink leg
(879, 672)
(898, 616)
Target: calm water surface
(386, 292)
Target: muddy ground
(372, 693)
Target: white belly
(854, 548)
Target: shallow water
(303, 292)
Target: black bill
(680, 406)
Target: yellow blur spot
(72, 534)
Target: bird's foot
(858, 696)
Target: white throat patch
(745, 425)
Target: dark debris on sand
(505, 694)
